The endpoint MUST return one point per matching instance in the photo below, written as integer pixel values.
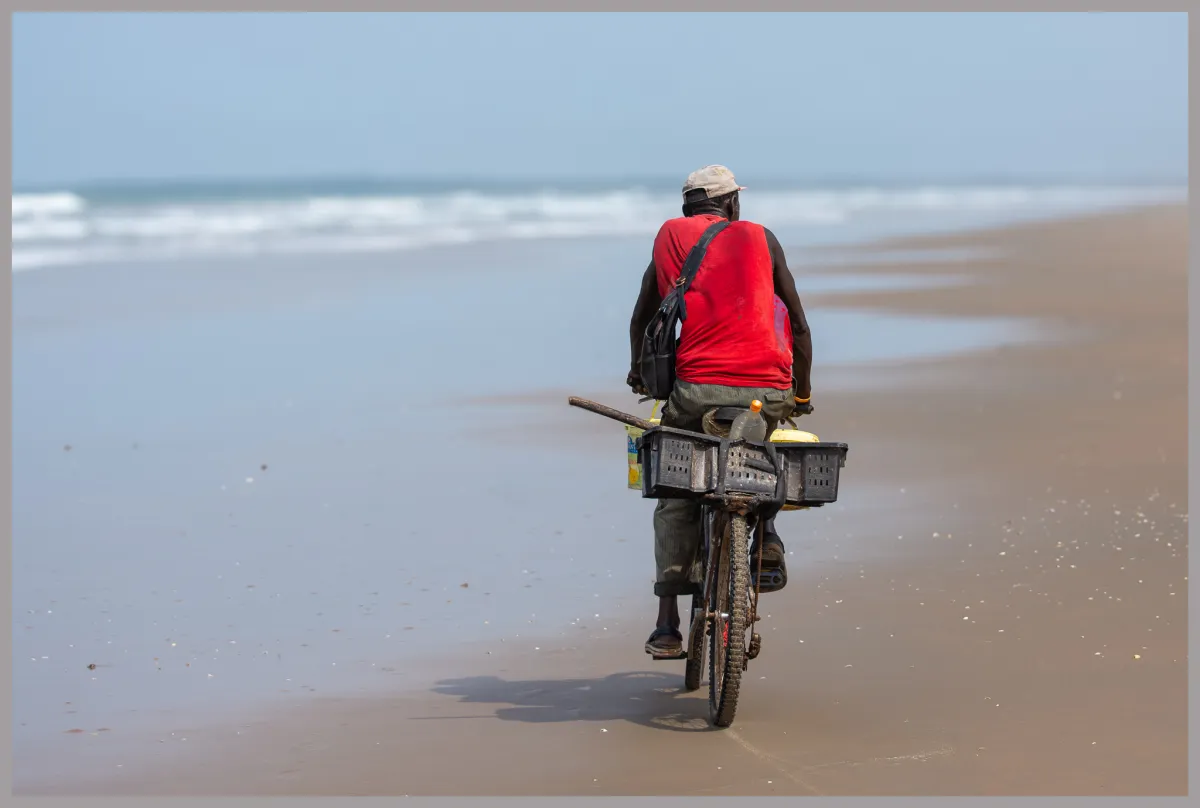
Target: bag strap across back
(692, 265)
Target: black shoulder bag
(657, 359)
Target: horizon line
(464, 181)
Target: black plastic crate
(677, 464)
(813, 471)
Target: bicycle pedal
(658, 658)
(771, 580)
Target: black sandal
(774, 565)
(665, 643)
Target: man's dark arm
(643, 311)
(785, 288)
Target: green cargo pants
(677, 526)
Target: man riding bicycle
(730, 353)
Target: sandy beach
(997, 606)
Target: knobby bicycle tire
(731, 596)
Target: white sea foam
(52, 204)
(62, 228)
(49, 229)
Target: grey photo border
(41, 6)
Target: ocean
(126, 222)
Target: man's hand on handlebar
(635, 384)
(802, 407)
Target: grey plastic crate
(814, 470)
(677, 464)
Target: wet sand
(997, 607)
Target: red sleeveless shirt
(730, 336)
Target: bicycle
(738, 481)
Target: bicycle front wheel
(695, 650)
(731, 607)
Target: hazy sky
(883, 96)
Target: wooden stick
(609, 412)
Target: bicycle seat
(726, 415)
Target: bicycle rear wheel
(731, 607)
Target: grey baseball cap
(713, 180)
